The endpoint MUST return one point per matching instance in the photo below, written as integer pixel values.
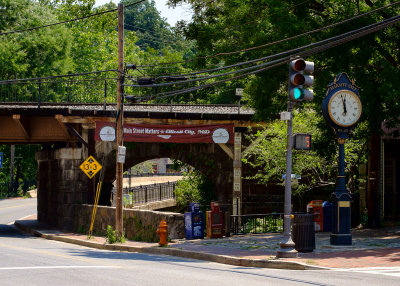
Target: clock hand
(344, 106)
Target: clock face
(107, 133)
(344, 108)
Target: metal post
(130, 178)
(105, 96)
(40, 92)
(119, 127)
(12, 152)
(286, 246)
(341, 232)
(237, 176)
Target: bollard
(163, 233)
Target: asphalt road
(27, 260)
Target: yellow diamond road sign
(90, 167)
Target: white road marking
(12, 222)
(52, 267)
(17, 206)
(389, 271)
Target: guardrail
(68, 89)
(127, 175)
(148, 193)
(256, 223)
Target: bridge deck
(29, 123)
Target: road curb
(223, 259)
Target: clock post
(341, 234)
(342, 110)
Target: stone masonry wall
(61, 184)
(138, 224)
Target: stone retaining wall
(138, 224)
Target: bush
(111, 237)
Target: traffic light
(298, 80)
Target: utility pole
(119, 127)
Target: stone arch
(209, 159)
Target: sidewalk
(371, 248)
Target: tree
(225, 26)
(33, 53)
(268, 156)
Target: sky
(172, 15)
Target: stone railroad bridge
(67, 134)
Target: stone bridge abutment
(62, 184)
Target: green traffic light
(298, 93)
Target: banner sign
(221, 133)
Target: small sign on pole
(90, 167)
(1, 160)
(239, 92)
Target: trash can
(327, 210)
(303, 234)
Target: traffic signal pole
(119, 127)
(286, 246)
(296, 93)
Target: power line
(54, 76)
(357, 34)
(279, 41)
(67, 21)
(261, 59)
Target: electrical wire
(279, 41)
(379, 26)
(55, 76)
(67, 21)
(263, 59)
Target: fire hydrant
(162, 232)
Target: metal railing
(73, 90)
(148, 193)
(134, 175)
(256, 223)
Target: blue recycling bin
(194, 226)
(327, 215)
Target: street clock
(342, 106)
(342, 110)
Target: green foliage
(225, 26)
(268, 157)
(143, 168)
(141, 232)
(111, 236)
(259, 225)
(187, 189)
(128, 203)
(35, 53)
(25, 169)
(194, 187)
